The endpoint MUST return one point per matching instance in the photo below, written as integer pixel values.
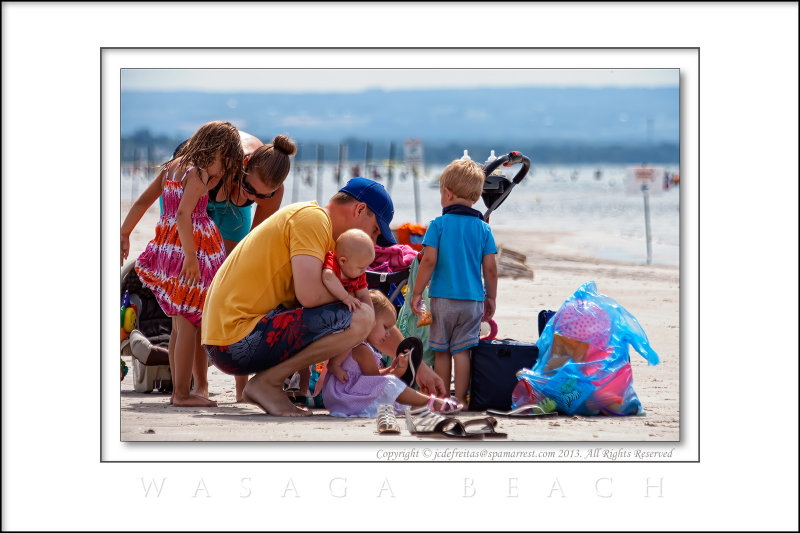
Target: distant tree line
(143, 147)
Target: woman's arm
(137, 211)
(265, 208)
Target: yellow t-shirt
(257, 276)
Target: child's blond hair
(464, 178)
(381, 303)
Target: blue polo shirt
(461, 241)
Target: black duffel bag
(494, 371)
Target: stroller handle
(510, 159)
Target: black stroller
(148, 343)
(496, 188)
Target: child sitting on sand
(457, 246)
(368, 385)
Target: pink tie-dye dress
(160, 264)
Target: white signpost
(644, 179)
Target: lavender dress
(361, 395)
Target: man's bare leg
(265, 389)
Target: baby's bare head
(356, 247)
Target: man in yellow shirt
(267, 311)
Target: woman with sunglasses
(265, 168)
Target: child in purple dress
(368, 385)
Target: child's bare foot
(273, 400)
(241, 397)
(241, 381)
(448, 405)
(201, 391)
(192, 401)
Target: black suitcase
(494, 372)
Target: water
(598, 217)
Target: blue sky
(355, 80)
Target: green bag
(407, 320)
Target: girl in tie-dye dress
(180, 262)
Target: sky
(356, 80)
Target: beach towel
(392, 258)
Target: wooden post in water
(320, 150)
(415, 171)
(646, 195)
(295, 173)
(390, 173)
(342, 156)
(134, 174)
(367, 157)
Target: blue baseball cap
(377, 199)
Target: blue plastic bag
(583, 362)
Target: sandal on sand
(387, 422)
(422, 421)
(414, 348)
(450, 406)
(524, 411)
(484, 426)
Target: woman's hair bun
(284, 144)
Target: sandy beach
(650, 293)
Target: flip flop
(523, 411)
(422, 421)
(414, 347)
(484, 426)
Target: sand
(650, 293)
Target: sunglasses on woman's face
(249, 188)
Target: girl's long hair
(201, 148)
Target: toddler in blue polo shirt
(457, 247)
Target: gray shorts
(456, 324)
